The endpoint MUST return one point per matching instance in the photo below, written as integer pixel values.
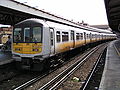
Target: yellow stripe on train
(27, 48)
(69, 45)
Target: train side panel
(56, 39)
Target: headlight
(36, 50)
(17, 49)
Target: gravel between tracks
(70, 84)
(81, 73)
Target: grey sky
(90, 11)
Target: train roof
(53, 24)
(32, 21)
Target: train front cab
(27, 46)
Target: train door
(52, 41)
(90, 36)
(73, 38)
(85, 37)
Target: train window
(17, 35)
(58, 36)
(87, 36)
(81, 36)
(37, 32)
(77, 36)
(51, 34)
(26, 34)
(65, 36)
(93, 35)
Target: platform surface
(5, 57)
(111, 74)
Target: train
(36, 40)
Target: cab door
(52, 41)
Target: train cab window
(58, 36)
(17, 35)
(37, 32)
(27, 35)
(65, 36)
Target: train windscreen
(27, 34)
(37, 36)
(17, 35)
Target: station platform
(5, 57)
(111, 74)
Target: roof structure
(113, 14)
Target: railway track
(5, 81)
(28, 83)
(58, 80)
(31, 79)
(61, 77)
(93, 80)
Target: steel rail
(59, 79)
(30, 82)
(21, 87)
(92, 71)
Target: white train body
(53, 39)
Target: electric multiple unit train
(35, 40)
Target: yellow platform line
(117, 50)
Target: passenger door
(52, 41)
(85, 37)
(90, 37)
(73, 38)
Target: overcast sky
(90, 11)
